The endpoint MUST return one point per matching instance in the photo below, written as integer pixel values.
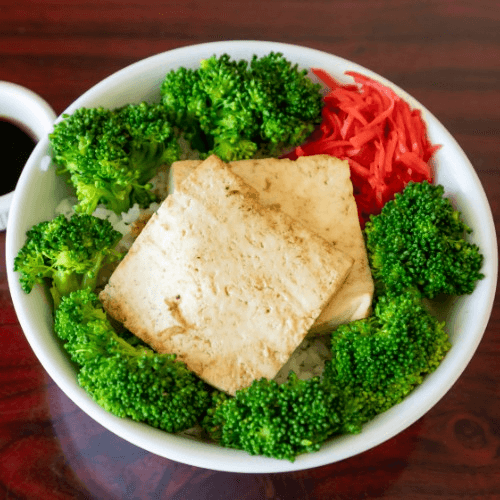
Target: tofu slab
(229, 285)
(316, 190)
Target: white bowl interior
(39, 191)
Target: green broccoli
(418, 240)
(111, 155)
(68, 253)
(275, 420)
(126, 380)
(376, 362)
(236, 109)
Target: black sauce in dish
(16, 145)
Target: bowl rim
(211, 456)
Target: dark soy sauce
(16, 146)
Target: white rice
(308, 360)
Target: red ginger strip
(384, 141)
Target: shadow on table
(111, 468)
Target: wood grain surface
(446, 53)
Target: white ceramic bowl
(39, 191)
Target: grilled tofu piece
(231, 286)
(317, 191)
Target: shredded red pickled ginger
(384, 141)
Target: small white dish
(39, 191)
(30, 112)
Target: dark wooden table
(446, 53)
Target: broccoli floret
(68, 253)
(111, 155)
(235, 109)
(126, 380)
(274, 420)
(418, 240)
(376, 362)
